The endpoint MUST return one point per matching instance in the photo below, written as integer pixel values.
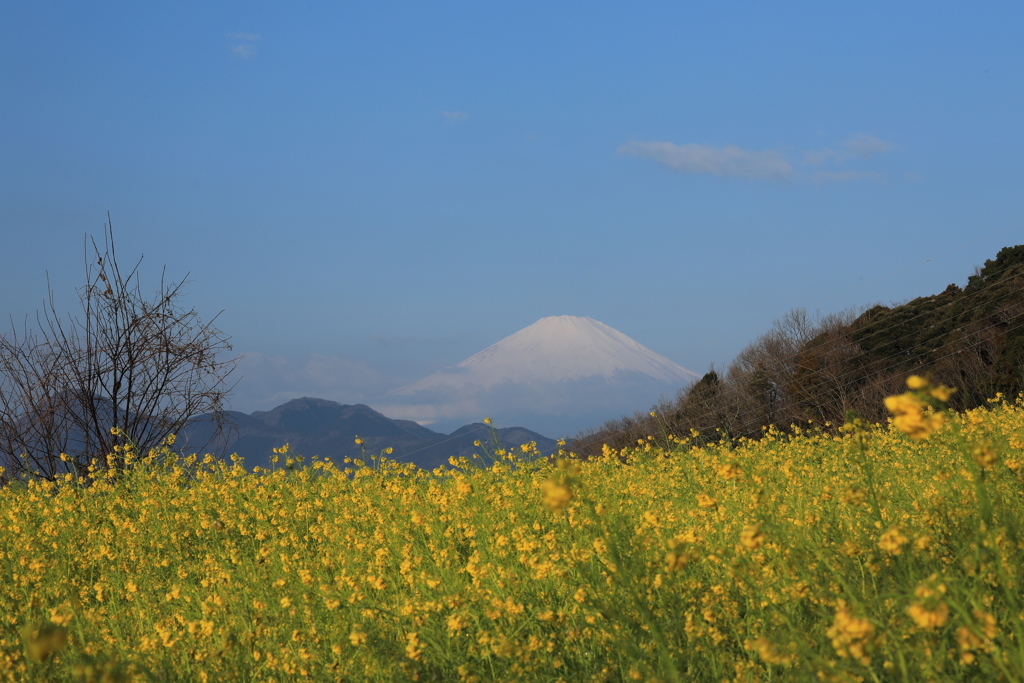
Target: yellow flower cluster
(930, 611)
(978, 637)
(851, 636)
(556, 495)
(892, 541)
(915, 411)
(778, 559)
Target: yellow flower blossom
(768, 652)
(977, 638)
(892, 541)
(985, 455)
(556, 495)
(706, 501)
(60, 617)
(929, 618)
(413, 647)
(852, 637)
(912, 416)
(930, 611)
(729, 471)
(917, 383)
(751, 537)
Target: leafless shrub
(144, 365)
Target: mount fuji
(558, 376)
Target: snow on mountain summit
(557, 376)
(556, 349)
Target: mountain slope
(313, 426)
(556, 348)
(555, 375)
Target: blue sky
(372, 192)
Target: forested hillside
(808, 372)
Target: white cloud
(455, 115)
(816, 157)
(554, 409)
(725, 161)
(845, 176)
(465, 410)
(269, 380)
(244, 51)
(731, 161)
(865, 145)
(859, 146)
(242, 46)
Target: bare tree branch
(142, 364)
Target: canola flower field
(888, 553)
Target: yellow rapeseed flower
(751, 537)
(768, 652)
(914, 411)
(929, 618)
(556, 495)
(892, 541)
(977, 638)
(851, 636)
(985, 455)
(916, 383)
(912, 416)
(930, 611)
(413, 647)
(60, 617)
(728, 471)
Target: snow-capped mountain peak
(561, 374)
(555, 349)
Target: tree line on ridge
(810, 371)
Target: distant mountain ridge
(315, 426)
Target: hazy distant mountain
(560, 374)
(314, 426)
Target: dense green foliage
(971, 338)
